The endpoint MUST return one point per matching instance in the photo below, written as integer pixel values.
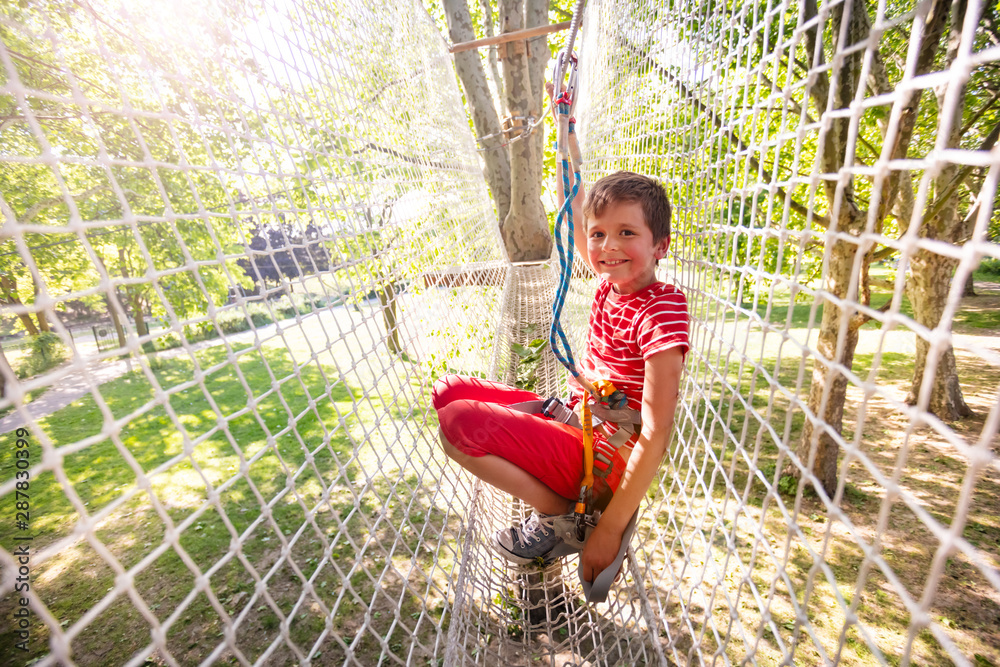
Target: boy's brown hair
(629, 187)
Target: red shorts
(474, 417)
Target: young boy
(637, 338)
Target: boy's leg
(508, 477)
(451, 388)
(520, 453)
(547, 450)
(533, 458)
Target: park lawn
(292, 491)
(755, 522)
(978, 315)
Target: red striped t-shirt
(627, 329)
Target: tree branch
(820, 89)
(861, 319)
(946, 194)
(939, 202)
(30, 214)
(796, 107)
(57, 70)
(980, 111)
(934, 24)
(553, 7)
(802, 210)
(989, 23)
(405, 158)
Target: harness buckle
(553, 408)
(611, 396)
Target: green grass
(298, 442)
(989, 270)
(977, 313)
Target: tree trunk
(832, 383)
(536, 13)
(140, 317)
(931, 274)
(5, 372)
(387, 299)
(488, 9)
(970, 286)
(135, 302)
(9, 287)
(28, 323)
(484, 115)
(820, 444)
(928, 291)
(43, 323)
(525, 229)
(112, 301)
(817, 442)
(116, 321)
(928, 288)
(134, 298)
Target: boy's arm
(579, 224)
(579, 229)
(659, 399)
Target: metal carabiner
(565, 59)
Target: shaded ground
(768, 574)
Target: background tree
(514, 171)
(155, 220)
(811, 83)
(961, 111)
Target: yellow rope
(587, 421)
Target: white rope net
(274, 496)
(897, 561)
(291, 198)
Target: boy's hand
(600, 551)
(550, 90)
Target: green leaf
(520, 350)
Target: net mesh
(281, 211)
(778, 129)
(276, 198)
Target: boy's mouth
(613, 262)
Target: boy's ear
(661, 247)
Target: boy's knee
(449, 449)
(438, 392)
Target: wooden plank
(510, 36)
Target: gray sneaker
(532, 540)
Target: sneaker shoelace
(534, 525)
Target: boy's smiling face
(621, 249)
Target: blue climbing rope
(557, 336)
